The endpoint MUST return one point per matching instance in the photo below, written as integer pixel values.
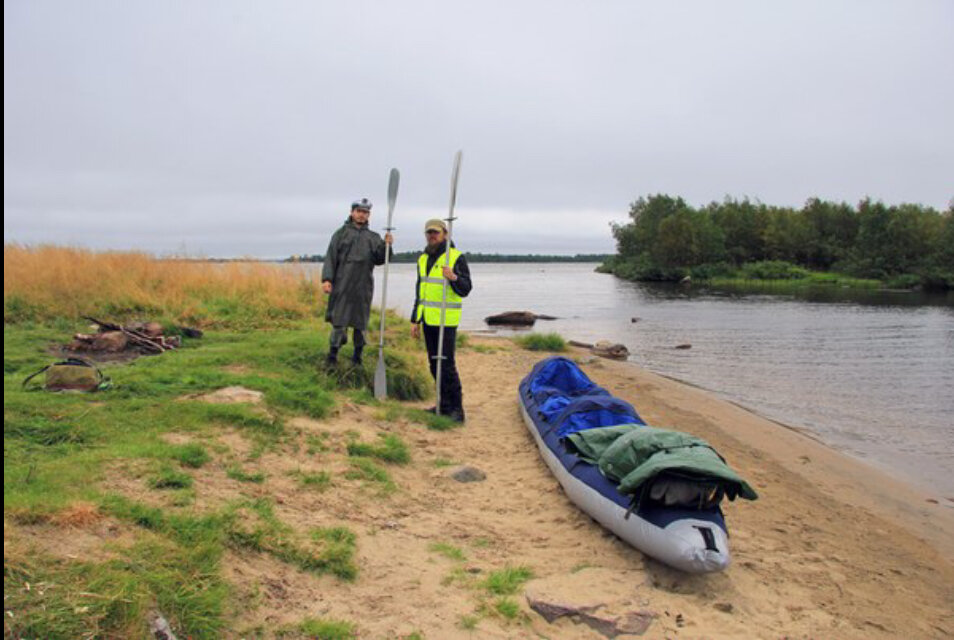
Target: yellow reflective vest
(431, 292)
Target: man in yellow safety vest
(432, 272)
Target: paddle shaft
(380, 373)
(450, 228)
(392, 197)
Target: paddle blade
(393, 183)
(455, 175)
(380, 380)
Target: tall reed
(45, 283)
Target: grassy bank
(745, 283)
(133, 466)
(758, 277)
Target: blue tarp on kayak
(558, 376)
(590, 412)
(569, 401)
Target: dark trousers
(339, 338)
(452, 395)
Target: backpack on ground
(72, 374)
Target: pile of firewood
(144, 337)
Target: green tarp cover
(633, 454)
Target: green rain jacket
(352, 255)
(633, 454)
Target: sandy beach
(832, 549)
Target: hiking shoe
(331, 364)
(456, 415)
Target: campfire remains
(141, 337)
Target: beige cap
(435, 224)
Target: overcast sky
(247, 128)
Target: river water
(871, 374)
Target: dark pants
(452, 395)
(339, 338)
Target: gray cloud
(243, 128)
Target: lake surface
(871, 374)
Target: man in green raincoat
(346, 278)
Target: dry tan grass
(45, 282)
(77, 515)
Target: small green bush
(191, 455)
(542, 342)
(507, 581)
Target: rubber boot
(331, 362)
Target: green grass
(783, 277)
(448, 551)
(319, 480)
(395, 413)
(459, 576)
(237, 473)
(316, 443)
(507, 581)
(253, 525)
(57, 447)
(190, 455)
(169, 478)
(152, 424)
(542, 342)
(432, 421)
(468, 622)
(484, 348)
(320, 629)
(368, 471)
(391, 449)
(507, 608)
(83, 599)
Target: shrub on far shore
(542, 342)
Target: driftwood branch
(135, 337)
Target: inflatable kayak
(559, 402)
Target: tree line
(666, 239)
(412, 256)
